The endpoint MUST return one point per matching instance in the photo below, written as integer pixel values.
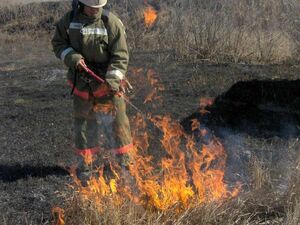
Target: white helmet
(94, 3)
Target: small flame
(205, 102)
(58, 215)
(104, 107)
(195, 124)
(150, 16)
(156, 87)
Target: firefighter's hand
(113, 83)
(81, 66)
(125, 86)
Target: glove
(120, 85)
(114, 84)
(125, 86)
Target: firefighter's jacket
(101, 43)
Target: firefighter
(92, 37)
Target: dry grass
(255, 207)
(15, 2)
(270, 196)
(33, 50)
(242, 31)
(31, 18)
(219, 31)
(261, 202)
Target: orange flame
(195, 124)
(150, 16)
(207, 180)
(205, 102)
(104, 107)
(58, 215)
(156, 87)
(172, 184)
(186, 176)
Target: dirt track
(36, 126)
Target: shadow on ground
(11, 173)
(259, 108)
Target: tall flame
(188, 174)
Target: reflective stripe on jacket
(96, 41)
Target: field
(22, 2)
(242, 88)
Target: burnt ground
(256, 113)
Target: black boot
(83, 172)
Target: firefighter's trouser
(111, 115)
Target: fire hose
(120, 94)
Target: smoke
(276, 156)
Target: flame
(136, 70)
(205, 102)
(188, 173)
(104, 107)
(150, 15)
(172, 184)
(156, 87)
(58, 214)
(195, 124)
(88, 159)
(207, 180)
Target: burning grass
(183, 184)
(259, 204)
(178, 185)
(190, 173)
(256, 207)
(150, 16)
